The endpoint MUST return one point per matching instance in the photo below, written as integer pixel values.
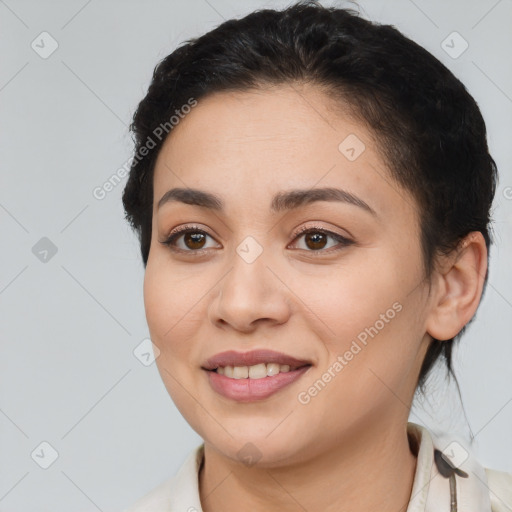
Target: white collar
(430, 491)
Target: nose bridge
(248, 277)
(250, 250)
(250, 291)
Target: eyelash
(174, 235)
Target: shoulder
(500, 490)
(155, 500)
(180, 492)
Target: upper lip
(233, 358)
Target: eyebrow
(282, 201)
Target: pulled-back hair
(428, 128)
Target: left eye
(315, 240)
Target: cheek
(355, 299)
(173, 320)
(372, 324)
(171, 304)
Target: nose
(250, 294)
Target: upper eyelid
(181, 230)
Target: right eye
(192, 240)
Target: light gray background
(69, 326)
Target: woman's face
(244, 278)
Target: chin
(256, 447)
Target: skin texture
(347, 448)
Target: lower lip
(249, 390)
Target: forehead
(287, 121)
(263, 140)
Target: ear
(459, 285)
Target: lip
(250, 390)
(234, 358)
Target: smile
(257, 371)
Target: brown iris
(316, 239)
(194, 240)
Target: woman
(315, 233)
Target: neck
(372, 470)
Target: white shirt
(483, 490)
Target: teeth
(240, 372)
(272, 369)
(258, 371)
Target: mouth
(257, 371)
(255, 361)
(255, 375)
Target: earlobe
(459, 288)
